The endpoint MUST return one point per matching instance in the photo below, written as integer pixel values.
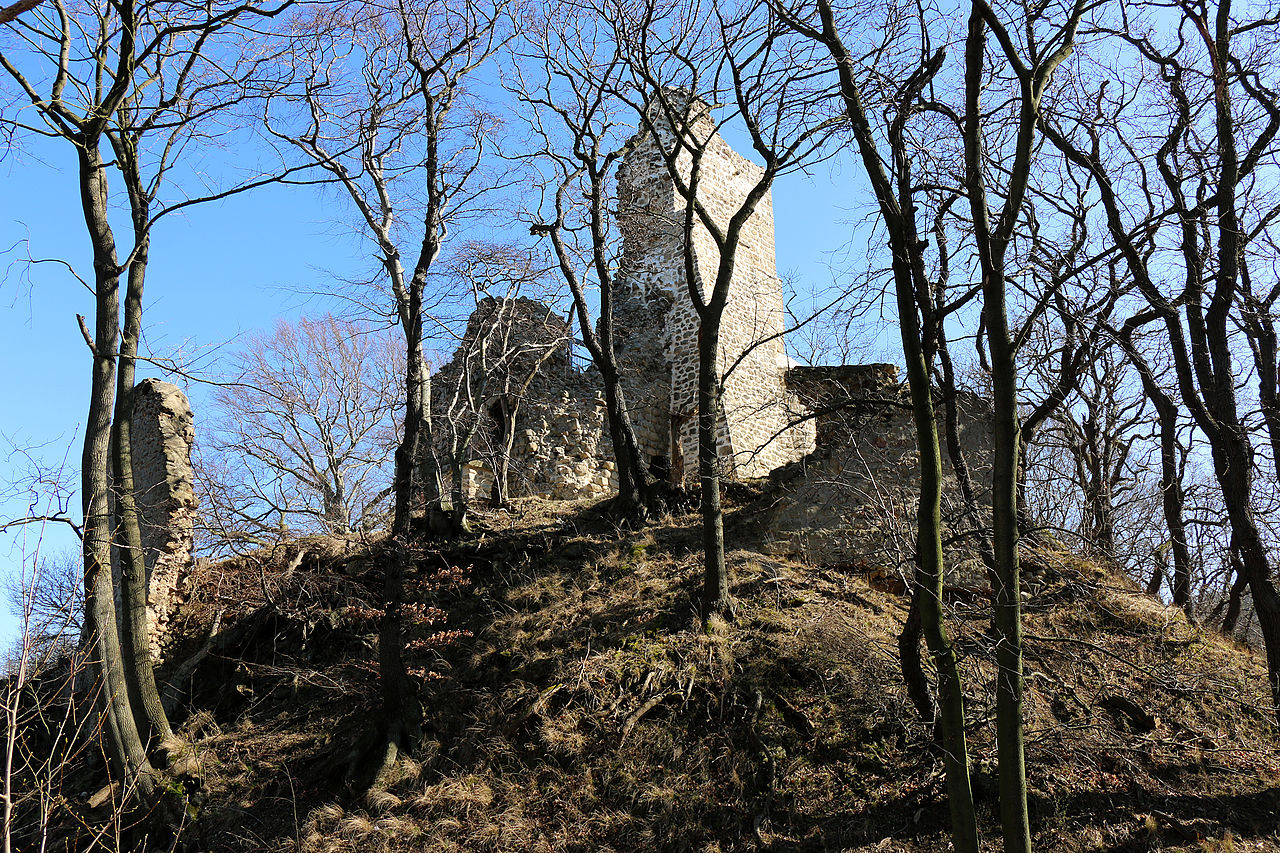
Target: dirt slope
(574, 704)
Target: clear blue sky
(222, 270)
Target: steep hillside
(574, 703)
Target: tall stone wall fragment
(163, 431)
(659, 328)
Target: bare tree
(301, 438)
(1196, 218)
(683, 58)
(385, 102)
(923, 302)
(581, 124)
(1032, 46)
(128, 87)
(9, 13)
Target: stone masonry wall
(163, 431)
(560, 446)
(754, 429)
(854, 498)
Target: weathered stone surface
(854, 499)
(560, 447)
(757, 423)
(163, 431)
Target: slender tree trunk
(715, 586)
(929, 561)
(500, 493)
(910, 639)
(634, 480)
(1008, 601)
(150, 719)
(959, 463)
(428, 465)
(898, 210)
(125, 748)
(1171, 496)
(1006, 441)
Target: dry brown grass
(590, 711)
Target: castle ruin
(559, 443)
(837, 442)
(162, 432)
(759, 426)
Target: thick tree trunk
(1232, 463)
(402, 715)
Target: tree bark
(715, 581)
(149, 715)
(125, 748)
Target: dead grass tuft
(455, 796)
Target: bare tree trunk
(125, 747)
(149, 713)
(634, 480)
(500, 493)
(913, 676)
(960, 464)
(1171, 497)
(715, 583)
(150, 719)
(402, 715)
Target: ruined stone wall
(753, 432)
(560, 446)
(162, 431)
(855, 497)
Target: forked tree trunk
(929, 557)
(125, 748)
(910, 639)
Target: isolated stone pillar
(163, 431)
